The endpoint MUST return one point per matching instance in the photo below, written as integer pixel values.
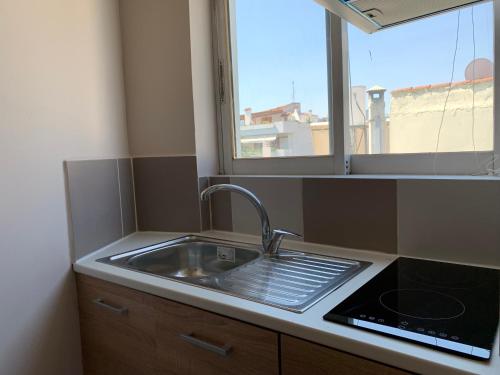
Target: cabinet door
(117, 329)
(192, 341)
(301, 357)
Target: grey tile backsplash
(306, 206)
(451, 220)
(127, 196)
(282, 198)
(220, 206)
(101, 203)
(204, 182)
(455, 220)
(167, 194)
(352, 213)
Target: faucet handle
(284, 232)
(277, 237)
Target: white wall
(61, 97)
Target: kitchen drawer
(301, 357)
(117, 329)
(193, 341)
(158, 336)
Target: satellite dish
(478, 69)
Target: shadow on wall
(45, 337)
(101, 203)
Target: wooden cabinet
(299, 357)
(128, 332)
(192, 341)
(115, 340)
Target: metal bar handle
(222, 351)
(117, 310)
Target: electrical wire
(449, 91)
(474, 89)
(364, 122)
(353, 137)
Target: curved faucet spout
(266, 228)
(271, 239)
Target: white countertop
(309, 325)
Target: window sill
(376, 177)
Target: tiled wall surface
(341, 212)
(282, 198)
(106, 196)
(127, 201)
(221, 207)
(101, 203)
(351, 213)
(456, 220)
(167, 194)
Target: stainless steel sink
(292, 281)
(191, 259)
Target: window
(305, 93)
(425, 86)
(282, 78)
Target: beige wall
(321, 138)
(415, 118)
(157, 64)
(61, 97)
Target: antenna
(293, 91)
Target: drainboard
(293, 282)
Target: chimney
(376, 119)
(248, 116)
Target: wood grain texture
(113, 343)
(147, 339)
(254, 350)
(299, 357)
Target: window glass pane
(280, 58)
(425, 86)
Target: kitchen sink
(291, 280)
(192, 259)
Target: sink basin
(189, 258)
(192, 259)
(293, 281)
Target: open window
(422, 95)
(375, 15)
(301, 91)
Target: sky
(284, 41)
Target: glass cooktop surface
(449, 307)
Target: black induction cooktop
(449, 307)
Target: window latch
(221, 82)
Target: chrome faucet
(271, 239)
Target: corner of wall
(204, 107)
(158, 83)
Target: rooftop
(442, 85)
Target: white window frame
(339, 163)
